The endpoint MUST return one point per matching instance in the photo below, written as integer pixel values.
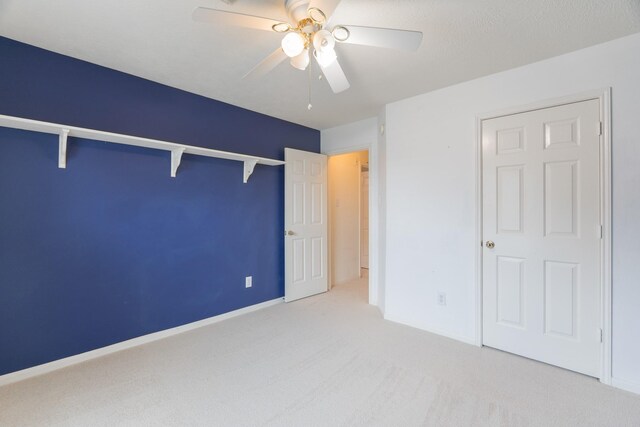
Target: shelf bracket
(62, 149)
(176, 157)
(248, 168)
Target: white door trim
(604, 98)
(374, 266)
(360, 172)
(359, 166)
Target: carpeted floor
(328, 360)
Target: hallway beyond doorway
(348, 203)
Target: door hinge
(600, 126)
(600, 232)
(600, 334)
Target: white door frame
(604, 98)
(360, 214)
(373, 214)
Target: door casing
(360, 216)
(604, 98)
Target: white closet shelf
(177, 150)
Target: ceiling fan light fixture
(323, 41)
(293, 44)
(325, 58)
(301, 62)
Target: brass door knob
(490, 244)
(290, 233)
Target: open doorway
(348, 200)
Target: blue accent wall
(112, 247)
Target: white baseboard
(398, 319)
(628, 385)
(123, 345)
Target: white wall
(344, 215)
(362, 135)
(430, 191)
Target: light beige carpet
(328, 360)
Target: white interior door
(542, 234)
(364, 219)
(305, 220)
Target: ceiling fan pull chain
(309, 107)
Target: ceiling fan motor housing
(296, 10)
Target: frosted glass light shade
(293, 44)
(301, 61)
(323, 41)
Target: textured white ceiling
(463, 39)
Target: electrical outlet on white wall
(248, 281)
(442, 298)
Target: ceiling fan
(309, 33)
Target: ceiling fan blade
(381, 37)
(267, 64)
(335, 76)
(221, 17)
(326, 6)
